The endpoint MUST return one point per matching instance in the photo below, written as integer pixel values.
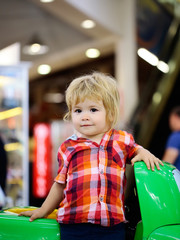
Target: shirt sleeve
(62, 157)
(132, 146)
(174, 141)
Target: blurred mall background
(138, 42)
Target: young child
(89, 187)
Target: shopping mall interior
(137, 42)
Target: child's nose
(85, 116)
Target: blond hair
(96, 86)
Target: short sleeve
(132, 146)
(174, 141)
(62, 157)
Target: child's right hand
(34, 214)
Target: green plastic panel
(13, 227)
(159, 197)
(166, 233)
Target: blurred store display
(14, 130)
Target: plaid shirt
(95, 176)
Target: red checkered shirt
(94, 175)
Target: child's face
(89, 119)
(174, 122)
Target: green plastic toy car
(159, 200)
(158, 194)
(14, 227)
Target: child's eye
(94, 110)
(78, 111)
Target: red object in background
(42, 165)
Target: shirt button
(101, 147)
(101, 199)
(101, 171)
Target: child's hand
(149, 159)
(34, 214)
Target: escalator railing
(158, 89)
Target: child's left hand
(149, 159)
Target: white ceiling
(58, 25)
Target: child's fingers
(135, 159)
(157, 163)
(160, 162)
(32, 214)
(151, 165)
(25, 213)
(138, 159)
(150, 162)
(33, 217)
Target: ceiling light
(35, 47)
(163, 67)
(153, 60)
(46, 1)
(88, 24)
(44, 69)
(148, 56)
(92, 53)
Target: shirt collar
(104, 140)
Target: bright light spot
(163, 67)
(148, 56)
(92, 53)
(35, 49)
(44, 69)
(46, 1)
(88, 24)
(157, 97)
